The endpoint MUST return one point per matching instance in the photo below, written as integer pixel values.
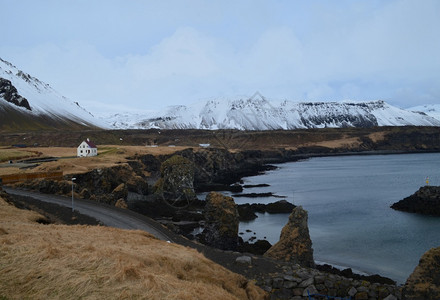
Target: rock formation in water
(221, 222)
(247, 211)
(295, 244)
(424, 282)
(425, 201)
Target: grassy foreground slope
(92, 262)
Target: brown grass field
(112, 154)
(108, 155)
(94, 262)
(114, 146)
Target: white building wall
(84, 150)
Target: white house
(87, 148)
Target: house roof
(90, 143)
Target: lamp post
(73, 179)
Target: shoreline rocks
(349, 274)
(425, 201)
(294, 282)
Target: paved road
(106, 214)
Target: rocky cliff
(425, 201)
(216, 169)
(105, 185)
(176, 183)
(295, 244)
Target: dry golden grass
(107, 149)
(91, 262)
(7, 153)
(345, 142)
(108, 156)
(377, 136)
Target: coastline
(401, 275)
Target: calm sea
(348, 200)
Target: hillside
(26, 103)
(71, 262)
(407, 138)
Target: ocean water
(348, 200)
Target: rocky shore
(425, 201)
(296, 283)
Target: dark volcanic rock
(220, 166)
(259, 247)
(177, 180)
(247, 211)
(257, 195)
(295, 245)
(425, 201)
(103, 185)
(151, 163)
(221, 222)
(424, 282)
(10, 94)
(248, 186)
(280, 207)
(349, 272)
(110, 184)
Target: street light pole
(73, 179)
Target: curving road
(106, 214)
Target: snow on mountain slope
(257, 113)
(123, 120)
(432, 110)
(42, 99)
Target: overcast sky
(145, 55)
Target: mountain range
(26, 103)
(258, 113)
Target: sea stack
(295, 245)
(221, 222)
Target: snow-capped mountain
(27, 101)
(124, 120)
(432, 110)
(257, 113)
